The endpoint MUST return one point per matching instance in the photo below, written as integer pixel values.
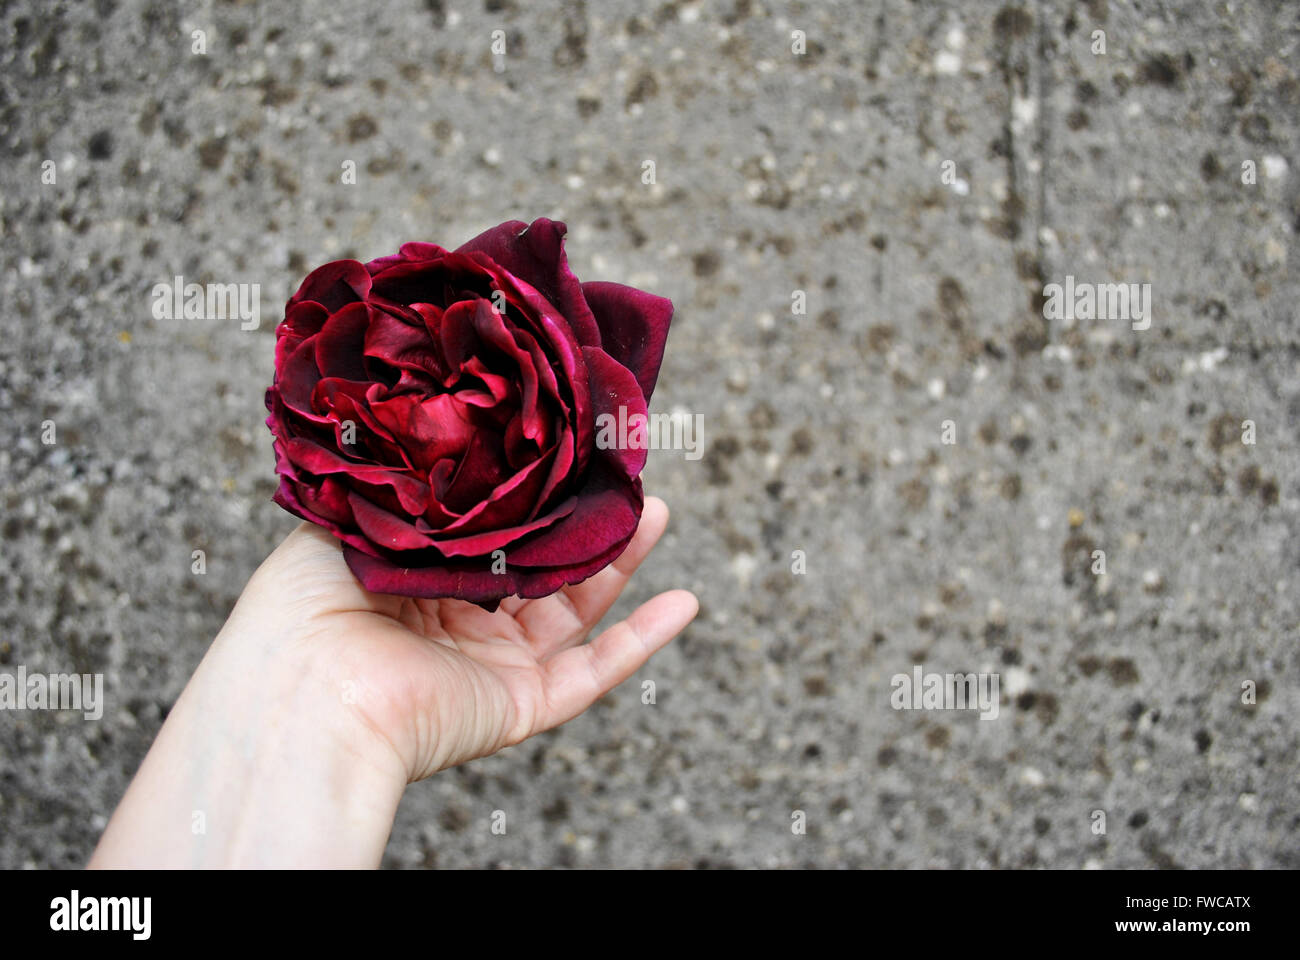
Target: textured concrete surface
(775, 172)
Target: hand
(319, 701)
(444, 681)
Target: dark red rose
(435, 411)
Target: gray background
(775, 172)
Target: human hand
(444, 681)
(319, 701)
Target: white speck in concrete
(1016, 681)
(946, 62)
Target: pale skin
(319, 702)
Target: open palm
(444, 681)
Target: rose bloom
(435, 411)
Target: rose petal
(484, 543)
(441, 281)
(607, 512)
(385, 529)
(296, 377)
(350, 400)
(616, 404)
(414, 250)
(633, 328)
(429, 427)
(508, 505)
(303, 319)
(400, 344)
(553, 331)
(340, 342)
(535, 254)
(287, 497)
(557, 481)
(314, 458)
(334, 285)
(469, 580)
(491, 329)
(329, 500)
(394, 490)
(481, 469)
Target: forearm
(257, 764)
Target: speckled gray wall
(826, 172)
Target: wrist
(262, 762)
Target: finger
(564, 618)
(307, 571)
(576, 678)
(512, 605)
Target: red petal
(340, 342)
(616, 396)
(535, 254)
(633, 328)
(606, 514)
(334, 285)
